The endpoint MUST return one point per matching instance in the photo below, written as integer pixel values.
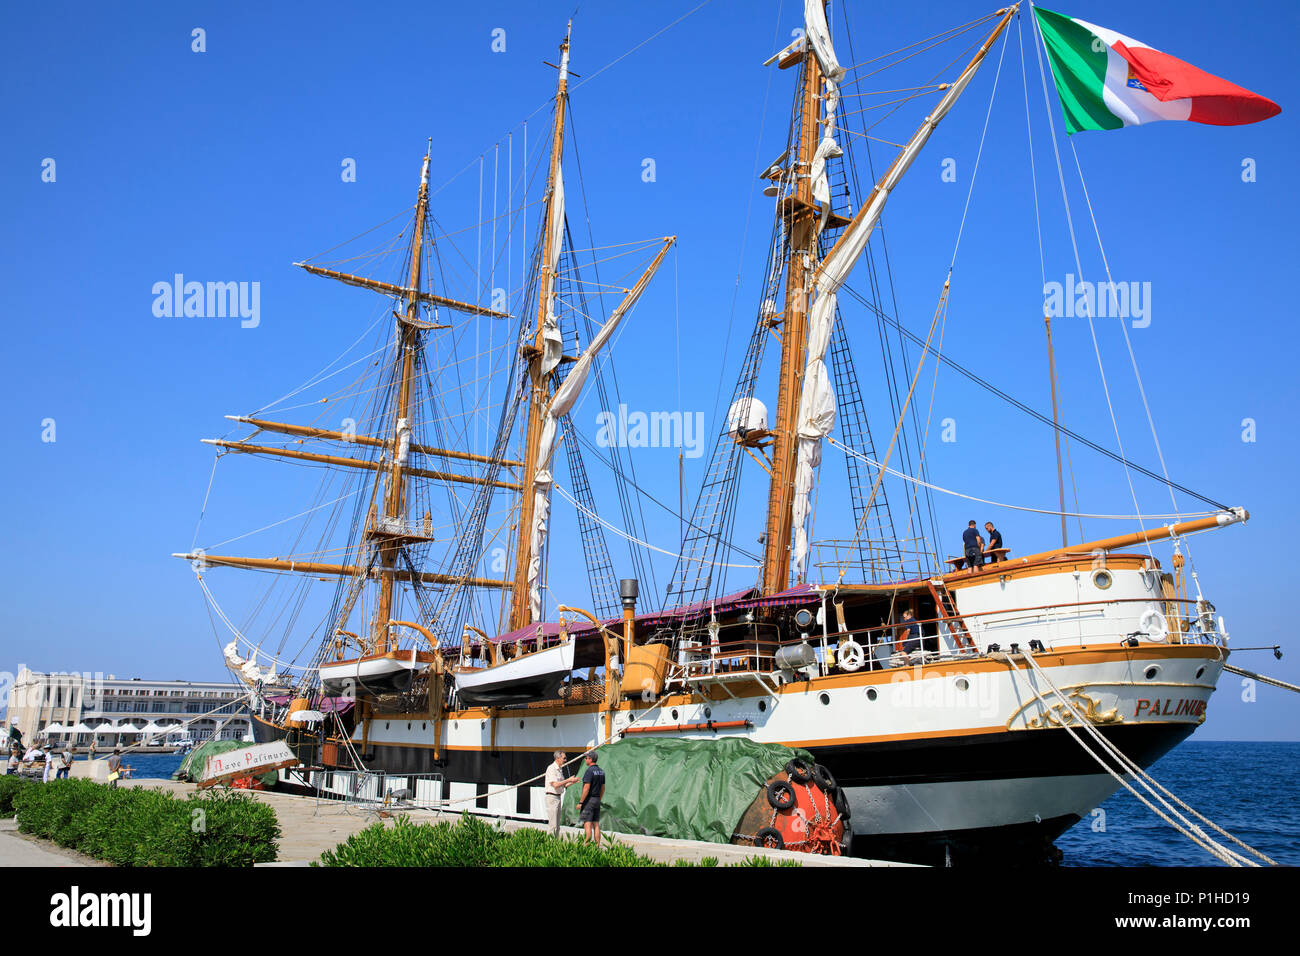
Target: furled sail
(560, 405)
(817, 398)
(552, 343)
(819, 34)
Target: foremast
(805, 410)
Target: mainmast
(388, 544)
(542, 353)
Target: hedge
(472, 842)
(10, 784)
(142, 827)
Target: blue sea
(152, 766)
(1249, 789)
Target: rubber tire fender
(799, 771)
(780, 795)
(825, 779)
(769, 833)
(842, 805)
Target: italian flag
(1106, 80)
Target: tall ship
(965, 709)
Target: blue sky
(225, 165)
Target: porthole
(762, 705)
(455, 724)
(408, 725)
(674, 713)
(824, 698)
(1102, 579)
(871, 693)
(1199, 672)
(385, 725)
(424, 726)
(1151, 672)
(963, 683)
(521, 725)
(707, 713)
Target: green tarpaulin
(684, 789)
(191, 767)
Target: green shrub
(472, 842)
(144, 827)
(10, 784)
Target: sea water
(1249, 789)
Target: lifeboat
(533, 676)
(374, 674)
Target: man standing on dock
(593, 788)
(556, 784)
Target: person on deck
(907, 637)
(65, 767)
(556, 784)
(593, 788)
(973, 546)
(995, 540)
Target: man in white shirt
(556, 784)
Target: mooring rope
(1241, 671)
(1184, 826)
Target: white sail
(552, 344)
(561, 403)
(817, 398)
(819, 34)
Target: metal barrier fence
(423, 791)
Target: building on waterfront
(108, 711)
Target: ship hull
(930, 776)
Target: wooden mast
(395, 484)
(520, 610)
(801, 218)
(802, 276)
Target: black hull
(266, 733)
(1018, 755)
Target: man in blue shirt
(973, 545)
(995, 539)
(593, 788)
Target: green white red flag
(1106, 80)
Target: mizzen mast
(387, 545)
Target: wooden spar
(387, 287)
(1220, 520)
(1056, 424)
(776, 553)
(308, 431)
(343, 570)
(794, 339)
(908, 153)
(395, 481)
(520, 610)
(346, 462)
